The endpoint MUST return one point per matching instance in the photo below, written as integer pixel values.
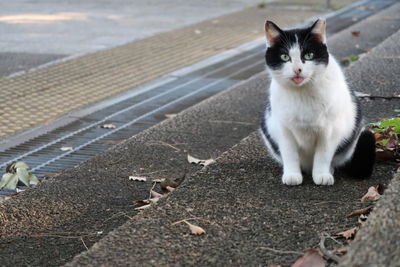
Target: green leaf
(9, 181)
(21, 164)
(23, 175)
(395, 123)
(33, 179)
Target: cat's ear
(272, 32)
(319, 30)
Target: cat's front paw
(292, 178)
(323, 179)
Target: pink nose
(297, 71)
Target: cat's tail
(362, 162)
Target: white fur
(310, 120)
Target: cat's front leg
(290, 159)
(322, 168)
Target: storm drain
(69, 145)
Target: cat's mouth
(297, 79)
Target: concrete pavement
(241, 194)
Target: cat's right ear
(272, 32)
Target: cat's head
(296, 57)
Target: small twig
(192, 219)
(83, 242)
(326, 252)
(282, 251)
(154, 184)
(117, 161)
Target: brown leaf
(311, 258)
(169, 188)
(168, 182)
(155, 194)
(372, 194)
(194, 229)
(348, 234)
(356, 33)
(360, 211)
(143, 207)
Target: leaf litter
(17, 173)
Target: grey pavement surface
(241, 195)
(38, 32)
(371, 32)
(251, 219)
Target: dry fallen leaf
(143, 207)
(360, 211)
(311, 258)
(66, 148)
(169, 188)
(356, 33)
(155, 194)
(202, 162)
(194, 229)
(168, 183)
(348, 234)
(372, 194)
(137, 178)
(108, 126)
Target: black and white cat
(312, 121)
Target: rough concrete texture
(372, 31)
(380, 69)
(251, 219)
(378, 242)
(245, 210)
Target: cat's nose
(297, 71)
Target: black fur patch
(264, 129)
(362, 162)
(308, 43)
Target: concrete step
(64, 216)
(250, 218)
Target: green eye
(309, 56)
(285, 57)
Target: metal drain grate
(130, 116)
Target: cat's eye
(285, 57)
(308, 56)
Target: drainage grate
(130, 116)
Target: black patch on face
(308, 42)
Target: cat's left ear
(319, 30)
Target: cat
(312, 122)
